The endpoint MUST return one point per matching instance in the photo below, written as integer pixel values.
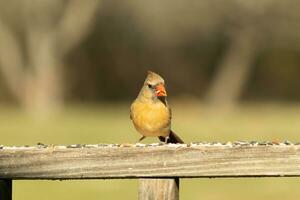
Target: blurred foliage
(183, 41)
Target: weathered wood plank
(140, 161)
(5, 189)
(159, 189)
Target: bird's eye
(150, 86)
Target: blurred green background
(69, 70)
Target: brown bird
(150, 112)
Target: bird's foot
(163, 139)
(143, 137)
(166, 139)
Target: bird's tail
(173, 138)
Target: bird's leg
(143, 137)
(166, 139)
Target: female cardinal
(150, 112)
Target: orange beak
(160, 91)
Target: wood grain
(142, 161)
(159, 189)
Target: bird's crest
(153, 77)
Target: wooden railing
(158, 166)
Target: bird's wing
(164, 101)
(170, 111)
(130, 113)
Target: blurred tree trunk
(32, 62)
(234, 69)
